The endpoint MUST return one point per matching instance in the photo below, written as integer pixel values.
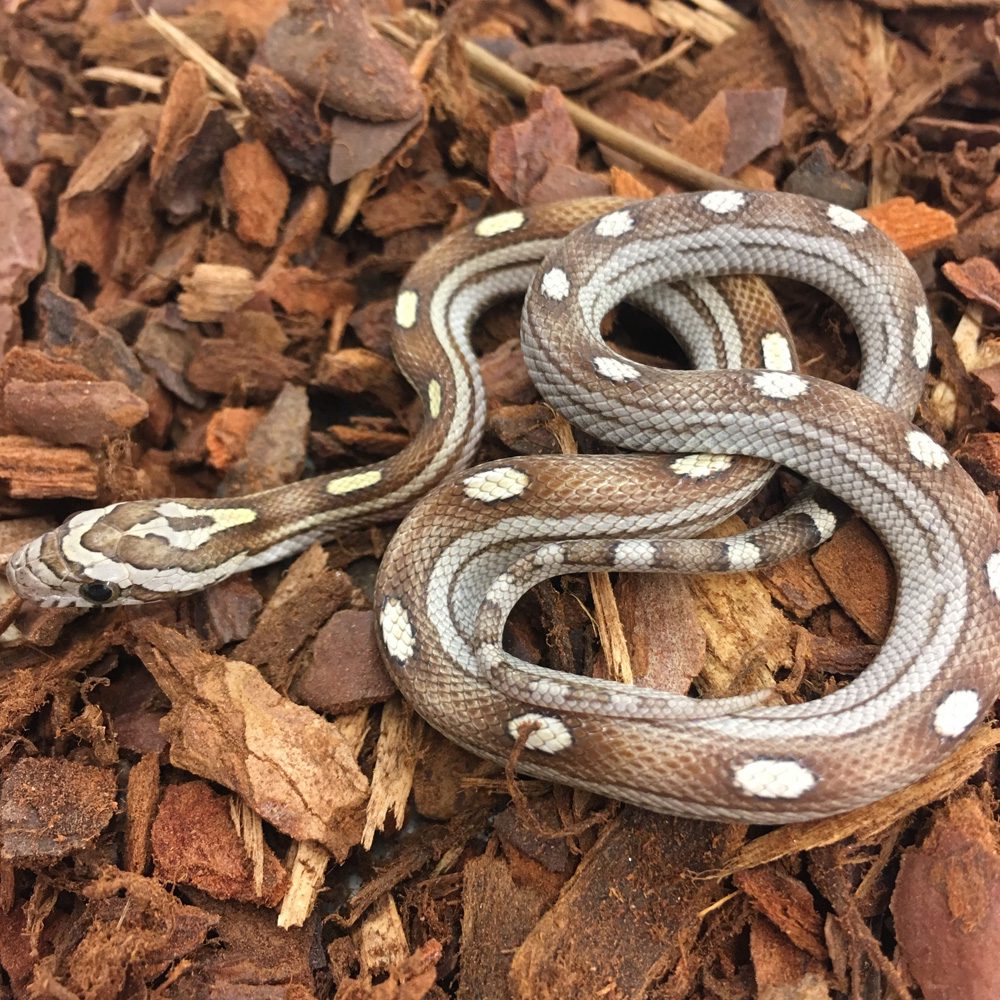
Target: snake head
(45, 572)
(131, 553)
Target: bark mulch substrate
(204, 217)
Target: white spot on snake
(925, 450)
(700, 466)
(356, 481)
(742, 555)
(635, 553)
(723, 202)
(956, 713)
(993, 574)
(397, 631)
(502, 222)
(777, 352)
(824, 521)
(555, 284)
(844, 218)
(767, 778)
(491, 485)
(550, 735)
(923, 337)
(406, 308)
(615, 224)
(780, 385)
(612, 368)
(434, 398)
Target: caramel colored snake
(469, 549)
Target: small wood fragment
(914, 227)
(32, 468)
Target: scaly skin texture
(465, 554)
(473, 545)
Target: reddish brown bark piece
(357, 144)
(256, 190)
(128, 930)
(195, 843)
(136, 44)
(233, 607)
(228, 725)
(788, 904)
(575, 66)
(978, 237)
(637, 875)
(977, 278)
(533, 854)
(521, 154)
(355, 370)
(734, 128)
(666, 643)
(50, 808)
(31, 468)
(122, 147)
(753, 59)
(193, 135)
(330, 51)
(497, 915)
(87, 233)
(139, 233)
(275, 451)
(781, 969)
(412, 979)
(980, 455)
(346, 671)
(913, 226)
(309, 592)
(443, 777)
(227, 434)
(177, 255)
(135, 706)
(423, 202)
(140, 809)
(947, 923)
(857, 571)
(855, 74)
(17, 956)
(83, 413)
(796, 586)
(72, 332)
(256, 959)
(284, 118)
(307, 290)
(223, 366)
(22, 242)
(19, 134)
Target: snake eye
(98, 593)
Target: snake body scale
(472, 546)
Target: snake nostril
(98, 593)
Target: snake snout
(29, 575)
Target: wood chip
(228, 725)
(51, 808)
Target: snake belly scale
(468, 550)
